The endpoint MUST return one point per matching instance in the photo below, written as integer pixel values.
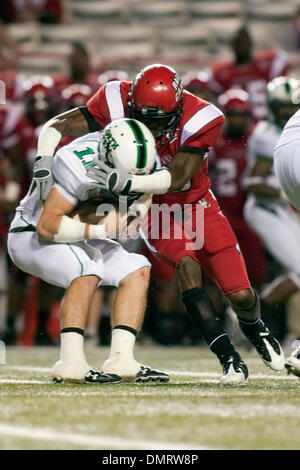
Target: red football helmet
(111, 75)
(76, 95)
(38, 84)
(195, 82)
(235, 100)
(156, 100)
(39, 98)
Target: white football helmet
(283, 96)
(129, 143)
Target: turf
(192, 410)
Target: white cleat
(293, 362)
(235, 371)
(269, 349)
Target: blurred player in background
(39, 105)
(286, 163)
(197, 83)
(267, 210)
(249, 71)
(184, 127)
(228, 163)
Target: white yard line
(214, 375)
(174, 373)
(26, 368)
(24, 381)
(90, 441)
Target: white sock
(71, 348)
(122, 345)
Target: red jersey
(229, 162)
(198, 129)
(251, 77)
(27, 136)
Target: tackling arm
(183, 167)
(77, 122)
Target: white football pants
(60, 263)
(279, 230)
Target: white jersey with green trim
(69, 170)
(261, 144)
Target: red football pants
(202, 232)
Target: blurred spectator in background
(228, 162)
(44, 11)
(248, 71)
(79, 71)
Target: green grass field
(192, 411)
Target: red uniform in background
(26, 135)
(251, 77)
(229, 161)
(198, 128)
(61, 82)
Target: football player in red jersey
(184, 127)
(38, 107)
(249, 71)
(79, 70)
(228, 160)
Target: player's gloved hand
(42, 178)
(112, 179)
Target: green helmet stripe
(142, 144)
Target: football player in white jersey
(79, 256)
(267, 210)
(287, 169)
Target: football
(91, 212)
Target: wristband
(48, 140)
(72, 230)
(157, 183)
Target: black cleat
(234, 370)
(145, 374)
(92, 377)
